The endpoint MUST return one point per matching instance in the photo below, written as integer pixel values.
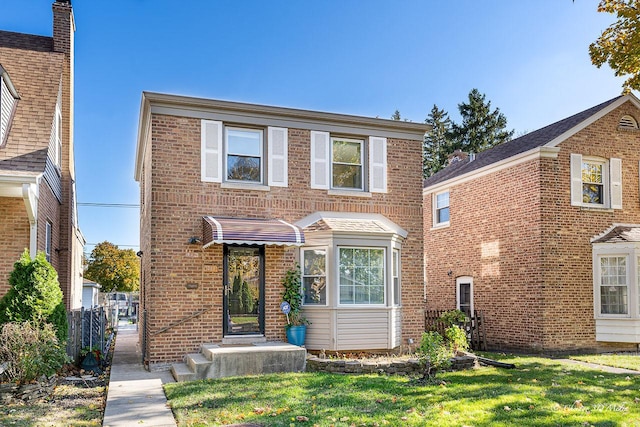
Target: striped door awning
(250, 231)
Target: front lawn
(540, 392)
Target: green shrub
(453, 317)
(30, 350)
(456, 339)
(34, 295)
(433, 354)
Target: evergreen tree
(437, 144)
(481, 128)
(34, 295)
(396, 115)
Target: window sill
(244, 186)
(596, 209)
(439, 226)
(349, 193)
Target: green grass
(626, 361)
(540, 392)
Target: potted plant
(296, 327)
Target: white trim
(30, 197)
(362, 164)
(327, 271)
(464, 280)
(434, 210)
(227, 152)
(296, 230)
(533, 154)
(317, 216)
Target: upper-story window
(244, 154)
(47, 240)
(256, 157)
(596, 182)
(348, 163)
(441, 208)
(347, 159)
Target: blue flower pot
(296, 334)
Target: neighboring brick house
(37, 179)
(528, 233)
(233, 194)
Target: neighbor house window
(47, 241)
(395, 275)
(362, 275)
(441, 209)
(347, 159)
(244, 154)
(613, 285)
(596, 182)
(593, 182)
(314, 276)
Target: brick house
(542, 234)
(233, 194)
(37, 179)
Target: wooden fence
(88, 329)
(473, 326)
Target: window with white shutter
(596, 182)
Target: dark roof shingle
(516, 146)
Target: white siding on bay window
(377, 164)
(320, 160)
(278, 156)
(352, 323)
(211, 154)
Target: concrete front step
(218, 361)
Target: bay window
(314, 276)
(362, 273)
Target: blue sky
(530, 58)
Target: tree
(396, 115)
(619, 44)
(481, 128)
(437, 143)
(113, 268)
(34, 295)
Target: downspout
(30, 197)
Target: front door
(243, 290)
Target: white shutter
(211, 154)
(377, 164)
(615, 181)
(576, 180)
(320, 160)
(278, 156)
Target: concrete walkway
(135, 396)
(604, 368)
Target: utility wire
(110, 205)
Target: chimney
(457, 156)
(63, 27)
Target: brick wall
(15, 231)
(172, 212)
(528, 250)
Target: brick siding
(528, 250)
(174, 200)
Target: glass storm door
(243, 290)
